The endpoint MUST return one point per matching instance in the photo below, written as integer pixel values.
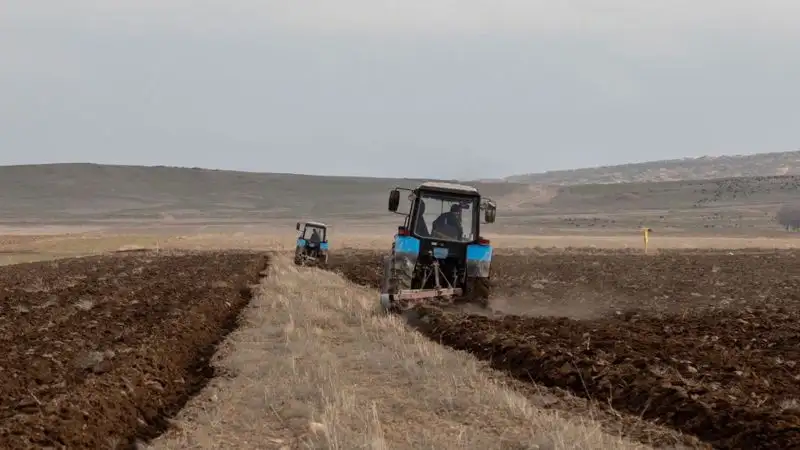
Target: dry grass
(315, 366)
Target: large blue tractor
(438, 255)
(311, 248)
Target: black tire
(478, 291)
(400, 276)
(387, 273)
(394, 279)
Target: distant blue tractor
(311, 248)
(438, 254)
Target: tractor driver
(449, 223)
(314, 236)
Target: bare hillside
(84, 194)
(745, 205)
(91, 192)
(703, 168)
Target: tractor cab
(313, 232)
(444, 212)
(312, 243)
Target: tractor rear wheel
(478, 291)
(298, 257)
(400, 276)
(387, 274)
(394, 279)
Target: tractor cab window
(314, 234)
(447, 218)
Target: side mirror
(394, 200)
(297, 227)
(490, 213)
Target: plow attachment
(310, 260)
(411, 298)
(438, 290)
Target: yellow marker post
(646, 235)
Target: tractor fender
(479, 260)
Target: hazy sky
(429, 88)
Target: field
(705, 342)
(99, 351)
(584, 348)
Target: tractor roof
(448, 187)
(316, 224)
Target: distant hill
(702, 168)
(106, 194)
(94, 192)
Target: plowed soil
(99, 351)
(707, 343)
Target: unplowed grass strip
(316, 367)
